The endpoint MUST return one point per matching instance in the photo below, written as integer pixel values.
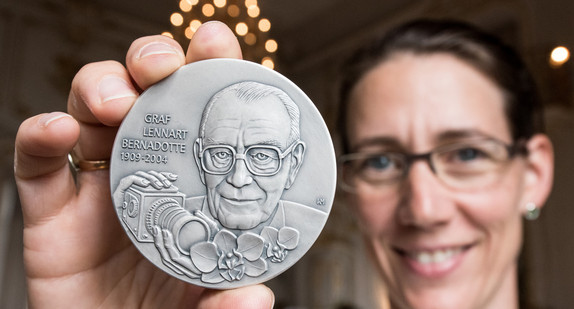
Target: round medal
(223, 174)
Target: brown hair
(483, 51)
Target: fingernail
(46, 119)
(212, 25)
(113, 87)
(156, 48)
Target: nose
(424, 203)
(239, 175)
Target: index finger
(212, 40)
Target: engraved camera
(140, 205)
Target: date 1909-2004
(145, 157)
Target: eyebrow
(260, 119)
(450, 135)
(211, 141)
(377, 141)
(443, 137)
(271, 142)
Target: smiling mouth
(239, 205)
(239, 200)
(436, 256)
(439, 260)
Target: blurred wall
(44, 42)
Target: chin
(443, 298)
(242, 222)
(443, 293)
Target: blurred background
(44, 42)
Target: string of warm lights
(243, 16)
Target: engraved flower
(233, 265)
(279, 242)
(229, 257)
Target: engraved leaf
(250, 245)
(270, 234)
(256, 268)
(225, 240)
(204, 256)
(212, 277)
(288, 237)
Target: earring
(532, 212)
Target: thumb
(250, 297)
(41, 165)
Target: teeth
(424, 257)
(438, 256)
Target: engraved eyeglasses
(261, 160)
(461, 165)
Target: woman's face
(437, 247)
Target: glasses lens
(471, 164)
(263, 160)
(218, 159)
(372, 168)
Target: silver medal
(223, 174)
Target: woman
(443, 156)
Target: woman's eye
(378, 163)
(468, 154)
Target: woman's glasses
(462, 165)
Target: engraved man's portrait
(248, 153)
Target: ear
(297, 155)
(540, 171)
(196, 153)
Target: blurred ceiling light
(249, 3)
(233, 10)
(264, 25)
(268, 62)
(253, 11)
(559, 56)
(219, 3)
(208, 10)
(250, 39)
(167, 34)
(243, 16)
(271, 46)
(241, 29)
(188, 33)
(185, 6)
(194, 25)
(176, 19)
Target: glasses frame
(516, 148)
(242, 156)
